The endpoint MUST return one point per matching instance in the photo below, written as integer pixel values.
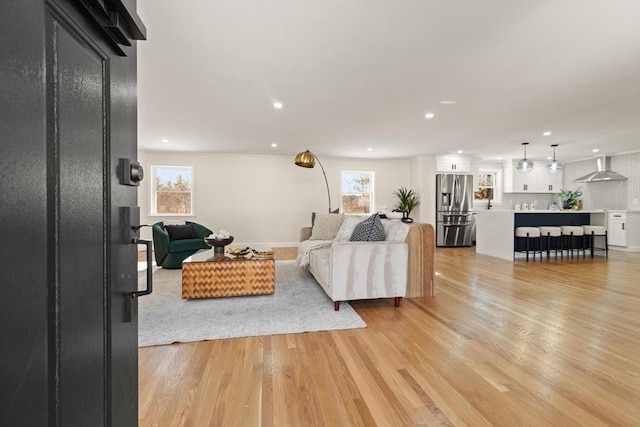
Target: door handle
(132, 297)
(149, 288)
(130, 228)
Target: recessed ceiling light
(164, 140)
(369, 149)
(429, 115)
(595, 150)
(274, 145)
(547, 133)
(460, 151)
(448, 102)
(549, 157)
(277, 105)
(499, 158)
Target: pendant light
(553, 166)
(525, 165)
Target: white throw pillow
(348, 225)
(326, 226)
(395, 230)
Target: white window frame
(153, 211)
(497, 186)
(371, 191)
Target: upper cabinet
(453, 164)
(536, 181)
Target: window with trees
(488, 186)
(172, 190)
(357, 192)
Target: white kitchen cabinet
(536, 181)
(552, 181)
(525, 182)
(453, 164)
(623, 230)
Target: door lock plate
(132, 172)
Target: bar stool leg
(539, 248)
(548, 246)
(527, 244)
(571, 244)
(592, 243)
(606, 245)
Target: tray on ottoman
(206, 276)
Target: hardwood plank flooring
(551, 343)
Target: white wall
(266, 198)
(423, 181)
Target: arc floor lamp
(307, 159)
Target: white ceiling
(360, 74)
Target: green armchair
(170, 253)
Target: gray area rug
(298, 305)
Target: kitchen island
(495, 229)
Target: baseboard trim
(624, 248)
(266, 244)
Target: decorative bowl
(218, 242)
(218, 245)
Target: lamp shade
(553, 166)
(525, 165)
(305, 159)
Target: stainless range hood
(604, 172)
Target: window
(172, 190)
(487, 186)
(357, 192)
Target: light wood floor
(501, 344)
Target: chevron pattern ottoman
(226, 277)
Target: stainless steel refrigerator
(455, 221)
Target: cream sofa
(394, 268)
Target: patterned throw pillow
(326, 226)
(369, 230)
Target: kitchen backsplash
(541, 201)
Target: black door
(68, 354)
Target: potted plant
(570, 198)
(407, 200)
